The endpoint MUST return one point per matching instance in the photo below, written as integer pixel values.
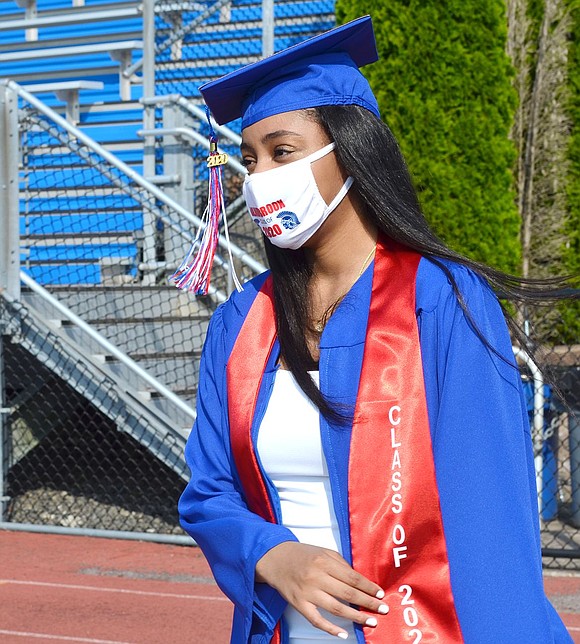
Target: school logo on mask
(289, 219)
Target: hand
(309, 578)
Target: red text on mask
(262, 211)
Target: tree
(541, 130)
(542, 51)
(571, 254)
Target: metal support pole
(178, 160)
(3, 436)
(30, 34)
(9, 224)
(538, 417)
(267, 27)
(9, 255)
(175, 539)
(149, 221)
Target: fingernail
(380, 594)
(343, 636)
(371, 621)
(383, 609)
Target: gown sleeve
(212, 507)
(484, 467)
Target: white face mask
(285, 202)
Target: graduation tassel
(194, 273)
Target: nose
(260, 167)
(263, 163)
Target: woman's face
(284, 138)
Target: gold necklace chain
(321, 323)
(367, 258)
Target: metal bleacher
(110, 174)
(75, 55)
(237, 27)
(72, 51)
(99, 40)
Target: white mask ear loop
(340, 195)
(327, 149)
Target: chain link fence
(555, 421)
(86, 441)
(194, 47)
(69, 465)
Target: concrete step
(144, 338)
(167, 347)
(138, 415)
(184, 422)
(178, 373)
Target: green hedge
(443, 84)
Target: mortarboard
(322, 70)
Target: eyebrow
(271, 135)
(278, 133)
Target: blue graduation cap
(323, 70)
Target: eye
(281, 152)
(247, 162)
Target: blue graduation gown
(482, 451)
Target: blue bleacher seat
(65, 274)
(106, 222)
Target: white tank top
(290, 449)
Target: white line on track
(112, 590)
(61, 638)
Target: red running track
(78, 589)
(104, 591)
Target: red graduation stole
(396, 529)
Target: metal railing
(242, 255)
(86, 439)
(107, 346)
(90, 341)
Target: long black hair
(369, 153)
